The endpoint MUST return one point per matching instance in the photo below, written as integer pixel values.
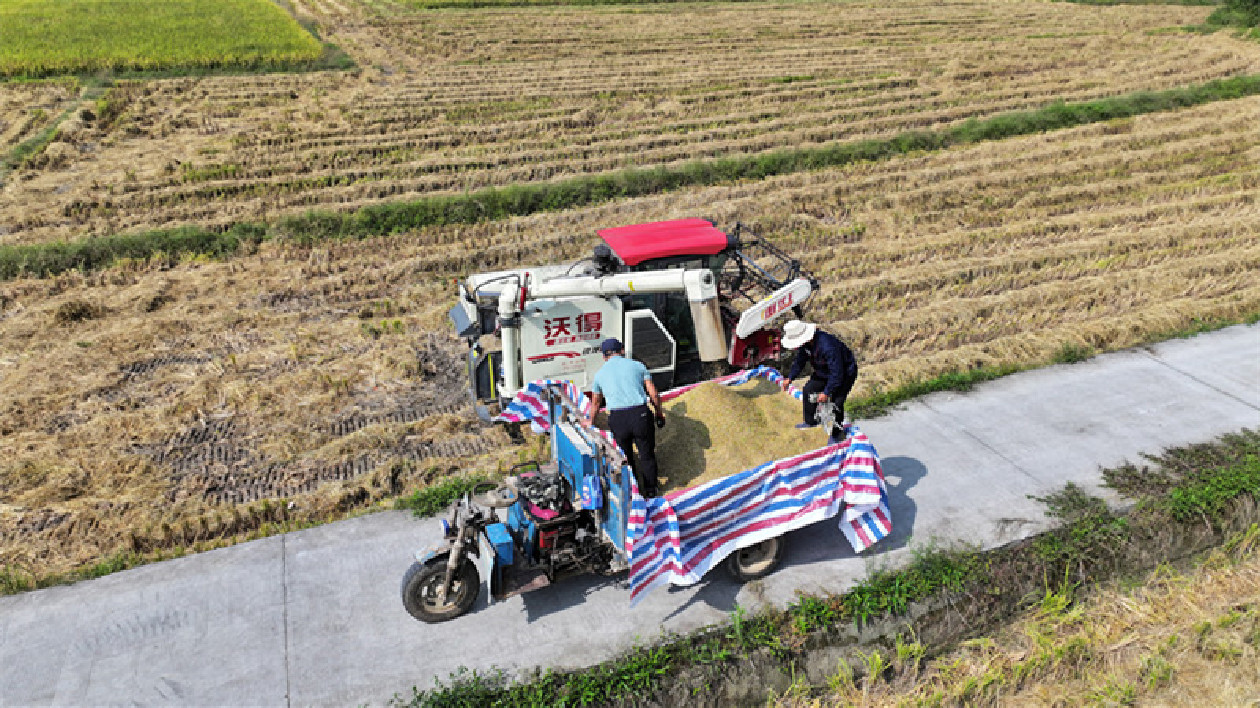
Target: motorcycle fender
(434, 553)
(488, 568)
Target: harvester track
(214, 460)
(146, 366)
(412, 414)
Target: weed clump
(437, 497)
(77, 311)
(1091, 534)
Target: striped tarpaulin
(677, 538)
(530, 404)
(681, 536)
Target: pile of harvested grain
(714, 430)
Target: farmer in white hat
(834, 368)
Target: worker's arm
(650, 386)
(798, 364)
(597, 401)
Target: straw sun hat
(796, 333)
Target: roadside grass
(48, 259)
(435, 498)
(1042, 577)
(132, 35)
(1185, 637)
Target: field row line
(1172, 147)
(495, 203)
(857, 292)
(942, 325)
(515, 167)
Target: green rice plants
(93, 35)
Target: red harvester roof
(660, 239)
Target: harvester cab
(688, 300)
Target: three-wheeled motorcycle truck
(547, 521)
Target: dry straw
(446, 112)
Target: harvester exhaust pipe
(510, 332)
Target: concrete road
(314, 617)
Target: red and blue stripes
(530, 403)
(677, 538)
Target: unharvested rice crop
(713, 431)
(156, 405)
(42, 37)
(446, 102)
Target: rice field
(45, 37)
(28, 108)
(162, 406)
(445, 103)
(171, 404)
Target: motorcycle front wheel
(420, 585)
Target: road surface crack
(988, 447)
(284, 584)
(1201, 382)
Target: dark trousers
(635, 425)
(809, 409)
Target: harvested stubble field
(447, 103)
(28, 108)
(162, 404)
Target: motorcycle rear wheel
(758, 560)
(420, 586)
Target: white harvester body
(550, 320)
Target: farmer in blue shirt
(835, 369)
(626, 386)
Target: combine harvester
(669, 293)
(670, 290)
